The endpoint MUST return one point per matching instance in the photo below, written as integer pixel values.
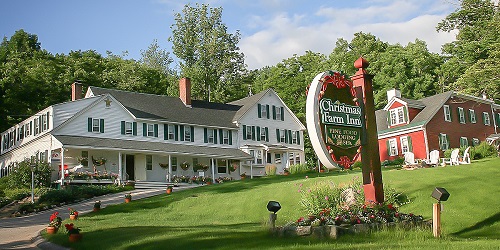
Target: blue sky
(272, 30)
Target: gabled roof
(247, 103)
(413, 103)
(431, 106)
(172, 109)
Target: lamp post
(273, 206)
(33, 164)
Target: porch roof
(150, 147)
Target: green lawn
(233, 215)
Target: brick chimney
(185, 91)
(76, 91)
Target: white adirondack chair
(410, 160)
(433, 158)
(466, 158)
(453, 160)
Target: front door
(129, 162)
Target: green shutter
(274, 112)
(101, 123)
(267, 134)
(253, 133)
(144, 129)
(267, 111)
(176, 130)
(182, 132)
(498, 120)
(258, 133)
(282, 113)
(165, 131)
(192, 133)
(156, 130)
(221, 136)
(258, 110)
(31, 126)
(48, 126)
(298, 137)
(388, 145)
(451, 116)
(440, 142)
(410, 144)
(205, 135)
(123, 127)
(447, 142)
(230, 137)
(244, 132)
(277, 135)
(286, 136)
(388, 118)
(215, 136)
(405, 113)
(134, 128)
(89, 123)
(290, 136)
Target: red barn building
(443, 121)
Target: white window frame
(277, 158)
(475, 141)
(222, 166)
(461, 115)
(397, 116)
(464, 139)
(405, 146)
(282, 135)
(258, 157)
(96, 125)
(187, 133)
(263, 111)
(472, 116)
(36, 126)
(128, 128)
(249, 133)
(263, 134)
(171, 132)
(150, 130)
(447, 113)
(27, 130)
(486, 119)
(393, 147)
(149, 162)
(210, 135)
(445, 144)
(225, 136)
(294, 137)
(45, 125)
(278, 112)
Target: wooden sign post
(436, 220)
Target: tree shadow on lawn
(480, 229)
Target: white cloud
(283, 35)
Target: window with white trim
(397, 116)
(221, 166)
(149, 162)
(225, 136)
(282, 135)
(263, 111)
(461, 115)
(393, 147)
(171, 132)
(27, 129)
(249, 132)
(37, 126)
(444, 142)
(278, 113)
(128, 128)
(174, 163)
(151, 130)
(472, 116)
(45, 124)
(187, 133)
(210, 135)
(486, 118)
(277, 158)
(294, 137)
(263, 134)
(464, 142)
(447, 113)
(96, 125)
(404, 144)
(475, 142)
(258, 157)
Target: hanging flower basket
(185, 165)
(163, 165)
(99, 161)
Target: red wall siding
(418, 144)
(412, 112)
(455, 129)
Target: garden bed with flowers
(199, 179)
(341, 209)
(91, 177)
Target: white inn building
(145, 137)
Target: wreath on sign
(185, 165)
(163, 165)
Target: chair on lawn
(410, 160)
(433, 158)
(466, 158)
(453, 160)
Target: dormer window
(397, 116)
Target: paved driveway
(23, 232)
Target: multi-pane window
(225, 136)
(95, 125)
(405, 147)
(475, 142)
(174, 163)
(249, 132)
(486, 118)
(263, 111)
(444, 142)
(472, 116)
(393, 147)
(464, 142)
(171, 132)
(211, 135)
(20, 133)
(37, 126)
(45, 124)
(27, 128)
(282, 135)
(258, 157)
(461, 115)
(278, 112)
(397, 116)
(447, 113)
(263, 134)
(128, 128)
(187, 133)
(85, 158)
(149, 162)
(269, 158)
(277, 158)
(294, 137)
(221, 166)
(151, 130)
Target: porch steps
(152, 185)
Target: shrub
(20, 176)
(482, 150)
(270, 170)
(298, 168)
(17, 193)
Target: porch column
(169, 168)
(62, 167)
(120, 172)
(213, 169)
(251, 169)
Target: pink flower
(298, 190)
(326, 197)
(307, 176)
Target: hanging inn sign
(334, 119)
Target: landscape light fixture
(273, 206)
(440, 194)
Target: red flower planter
(52, 230)
(73, 217)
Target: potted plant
(73, 214)
(244, 175)
(208, 180)
(73, 232)
(54, 224)
(169, 189)
(128, 197)
(286, 171)
(97, 206)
